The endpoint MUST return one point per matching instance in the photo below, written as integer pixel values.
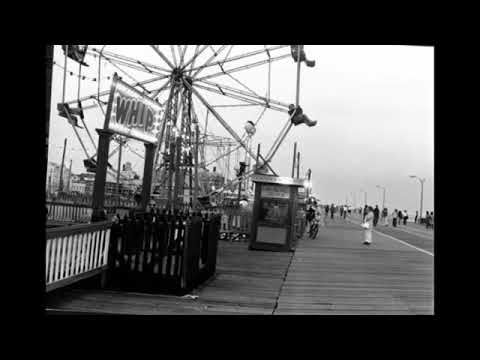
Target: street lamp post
(365, 196)
(421, 192)
(383, 201)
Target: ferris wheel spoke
(238, 97)
(132, 66)
(223, 122)
(231, 96)
(196, 55)
(244, 56)
(192, 64)
(130, 77)
(244, 67)
(236, 105)
(129, 60)
(164, 58)
(243, 93)
(182, 53)
(172, 48)
(160, 89)
(245, 86)
(107, 92)
(215, 54)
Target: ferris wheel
(194, 84)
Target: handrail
(76, 252)
(77, 229)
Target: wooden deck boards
(247, 282)
(333, 274)
(336, 274)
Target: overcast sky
(373, 104)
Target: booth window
(274, 211)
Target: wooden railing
(65, 212)
(76, 252)
(110, 201)
(163, 253)
(78, 213)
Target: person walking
(416, 217)
(309, 217)
(394, 218)
(405, 217)
(327, 209)
(427, 220)
(365, 210)
(376, 215)
(332, 211)
(345, 212)
(400, 217)
(368, 225)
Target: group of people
(342, 210)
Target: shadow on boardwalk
(333, 274)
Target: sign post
(134, 115)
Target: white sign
(283, 180)
(275, 191)
(132, 114)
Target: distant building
(53, 177)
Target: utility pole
(365, 193)
(120, 145)
(309, 188)
(297, 101)
(383, 201)
(60, 185)
(294, 158)
(69, 176)
(48, 95)
(50, 183)
(421, 192)
(298, 165)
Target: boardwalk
(333, 274)
(336, 274)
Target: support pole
(258, 155)
(297, 101)
(383, 203)
(69, 176)
(298, 165)
(195, 191)
(60, 183)
(147, 174)
(48, 99)
(120, 144)
(104, 137)
(309, 177)
(421, 197)
(294, 158)
(64, 74)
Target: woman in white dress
(367, 232)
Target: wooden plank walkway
(336, 274)
(247, 282)
(333, 274)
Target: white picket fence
(76, 252)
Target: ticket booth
(274, 212)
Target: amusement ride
(178, 82)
